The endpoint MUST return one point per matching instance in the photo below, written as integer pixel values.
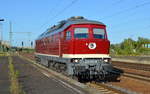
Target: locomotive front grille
(92, 60)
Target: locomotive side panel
(67, 42)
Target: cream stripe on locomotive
(47, 55)
(78, 55)
(85, 56)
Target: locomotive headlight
(107, 60)
(75, 60)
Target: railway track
(136, 76)
(101, 87)
(107, 88)
(104, 88)
(144, 67)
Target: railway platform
(4, 76)
(34, 80)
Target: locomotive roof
(65, 23)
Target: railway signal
(22, 43)
(31, 44)
(1, 19)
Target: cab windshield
(81, 33)
(98, 33)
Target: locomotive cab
(86, 41)
(91, 39)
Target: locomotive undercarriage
(84, 69)
(95, 69)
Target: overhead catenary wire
(51, 11)
(126, 10)
(145, 27)
(106, 8)
(118, 2)
(54, 8)
(129, 21)
(60, 12)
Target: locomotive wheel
(102, 75)
(80, 78)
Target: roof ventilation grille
(76, 17)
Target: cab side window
(68, 35)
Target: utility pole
(10, 33)
(1, 40)
(1, 31)
(29, 34)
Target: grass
(3, 54)
(15, 87)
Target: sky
(123, 18)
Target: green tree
(131, 47)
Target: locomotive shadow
(100, 81)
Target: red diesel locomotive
(79, 47)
